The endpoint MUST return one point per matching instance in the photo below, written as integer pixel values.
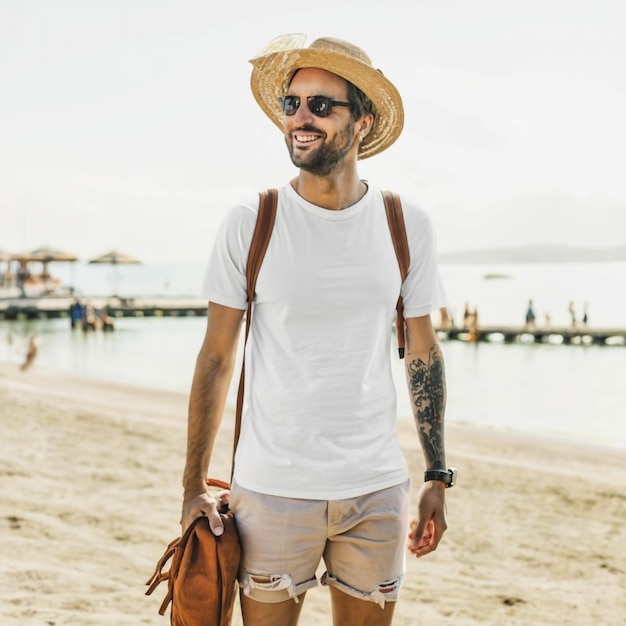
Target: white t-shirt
(320, 403)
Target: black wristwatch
(447, 477)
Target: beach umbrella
(45, 255)
(115, 258)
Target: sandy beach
(90, 483)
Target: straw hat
(274, 66)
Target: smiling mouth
(305, 138)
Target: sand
(90, 496)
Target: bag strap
(174, 551)
(397, 228)
(268, 202)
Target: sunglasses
(321, 106)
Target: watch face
(452, 472)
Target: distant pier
(181, 306)
(547, 335)
(51, 308)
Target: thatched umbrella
(115, 258)
(44, 255)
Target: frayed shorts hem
(387, 591)
(275, 589)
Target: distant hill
(536, 254)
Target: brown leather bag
(202, 579)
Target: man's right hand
(201, 505)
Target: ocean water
(574, 391)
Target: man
(319, 473)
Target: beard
(323, 160)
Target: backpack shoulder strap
(268, 201)
(260, 239)
(397, 228)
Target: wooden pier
(181, 306)
(547, 335)
(51, 308)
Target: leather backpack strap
(397, 228)
(268, 201)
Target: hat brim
(271, 73)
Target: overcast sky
(130, 123)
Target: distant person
(319, 472)
(585, 317)
(89, 319)
(445, 321)
(472, 325)
(31, 353)
(106, 320)
(470, 321)
(76, 313)
(467, 315)
(530, 315)
(572, 314)
(22, 276)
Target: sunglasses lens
(290, 104)
(319, 105)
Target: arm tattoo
(427, 388)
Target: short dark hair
(361, 104)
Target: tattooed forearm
(427, 388)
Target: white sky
(130, 123)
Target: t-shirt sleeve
(422, 291)
(224, 280)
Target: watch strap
(445, 476)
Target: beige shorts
(361, 540)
